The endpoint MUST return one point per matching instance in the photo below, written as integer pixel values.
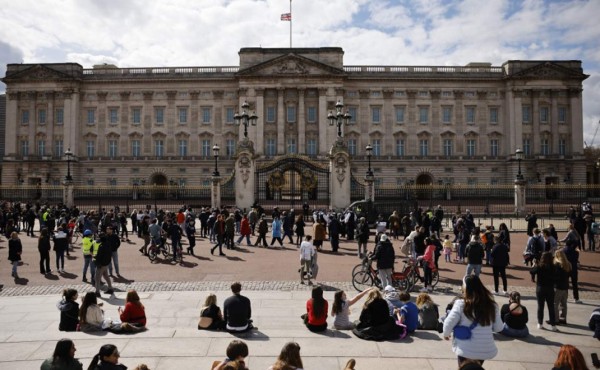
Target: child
(408, 314)
(447, 249)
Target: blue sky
(395, 32)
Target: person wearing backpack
(535, 247)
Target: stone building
(426, 124)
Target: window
(471, 147)
(562, 146)
(271, 147)
(206, 115)
(424, 147)
(90, 148)
(270, 114)
(42, 117)
(159, 148)
(230, 148)
(311, 114)
(352, 147)
(183, 114)
(291, 113)
(423, 94)
(471, 181)
(135, 148)
(113, 115)
(400, 151)
(41, 147)
(58, 148)
(400, 115)
(183, 144)
(60, 116)
(136, 116)
(399, 94)
(526, 113)
(311, 147)
(545, 146)
(159, 115)
(526, 146)
(375, 94)
(494, 116)
(376, 114)
(229, 114)
(112, 182)
(470, 115)
(206, 148)
(562, 114)
(291, 145)
(24, 147)
(423, 115)
(353, 115)
(112, 148)
(544, 113)
(446, 94)
(90, 182)
(448, 147)
(494, 147)
(91, 116)
(446, 115)
(24, 117)
(376, 147)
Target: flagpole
(291, 20)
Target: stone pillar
(370, 188)
(520, 202)
(215, 192)
(339, 178)
(68, 197)
(245, 167)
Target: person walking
(384, 255)
(112, 240)
(244, 231)
(543, 274)
(307, 252)
(499, 259)
(15, 248)
(219, 232)
(362, 237)
(89, 249)
(44, 249)
(474, 253)
(319, 233)
(144, 233)
(263, 229)
(276, 231)
(190, 232)
(103, 260)
(299, 229)
(230, 231)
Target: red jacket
(429, 256)
(134, 314)
(245, 227)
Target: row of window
(544, 114)
(291, 147)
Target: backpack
(428, 317)
(484, 238)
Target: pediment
(38, 72)
(290, 65)
(549, 71)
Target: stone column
(520, 202)
(68, 198)
(370, 188)
(13, 121)
(322, 121)
(259, 133)
(339, 175)
(245, 167)
(301, 145)
(215, 192)
(281, 123)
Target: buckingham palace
(422, 124)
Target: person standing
(15, 248)
(174, 233)
(531, 219)
(334, 233)
(572, 253)
(44, 249)
(103, 260)
(112, 240)
(320, 233)
(474, 253)
(428, 265)
(61, 245)
(561, 286)
(362, 236)
(276, 231)
(307, 252)
(263, 229)
(299, 229)
(219, 232)
(89, 249)
(384, 255)
(237, 311)
(144, 233)
(499, 258)
(543, 274)
(190, 231)
(230, 231)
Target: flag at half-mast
(286, 17)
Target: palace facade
(426, 124)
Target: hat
(383, 238)
(389, 288)
(88, 232)
(390, 293)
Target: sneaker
(553, 328)
(423, 290)
(505, 292)
(540, 326)
(495, 292)
(578, 301)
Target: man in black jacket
(474, 253)
(113, 242)
(103, 259)
(237, 311)
(385, 256)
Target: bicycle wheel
(435, 278)
(362, 280)
(412, 279)
(75, 237)
(359, 267)
(152, 254)
(165, 249)
(401, 283)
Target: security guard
(89, 248)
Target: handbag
(463, 332)
(406, 247)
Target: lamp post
(339, 118)
(245, 119)
(69, 156)
(519, 156)
(216, 155)
(369, 150)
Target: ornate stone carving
(308, 180)
(340, 168)
(276, 180)
(246, 145)
(291, 66)
(101, 95)
(148, 95)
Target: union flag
(286, 17)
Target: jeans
(473, 268)
(499, 272)
(44, 262)
(102, 272)
(115, 261)
(427, 274)
(545, 295)
(15, 264)
(242, 238)
(515, 333)
(60, 258)
(88, 261)
(591, 242)
(385, 275)
(560, 304)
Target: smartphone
(595, 361)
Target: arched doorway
(159, 183)
(159, 179)
(424, 179)
(423, 189)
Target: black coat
(499, 255)
(15, 248)
(384, 254)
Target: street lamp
(339, 118)
(519, 156)
(69, 155)
(216, 154)
(369, 150)
(245, 118)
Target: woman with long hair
(429, 314)
(107, 359)
(63, 357)
(570, 358)
(134, 313)
(478, 311)
(69, 310)
(315, 318)
(515, 317)
(91, 316)
(375, 322)
(543, 274)
(44, 249)
(561, 286)
(289, 358)
(299, 226)
(504, 235)
(211, 317)
(341, 309)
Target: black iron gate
(291, 181)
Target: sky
(156, 33)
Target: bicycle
(166, 249)
(367, 276)
(415, 274)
